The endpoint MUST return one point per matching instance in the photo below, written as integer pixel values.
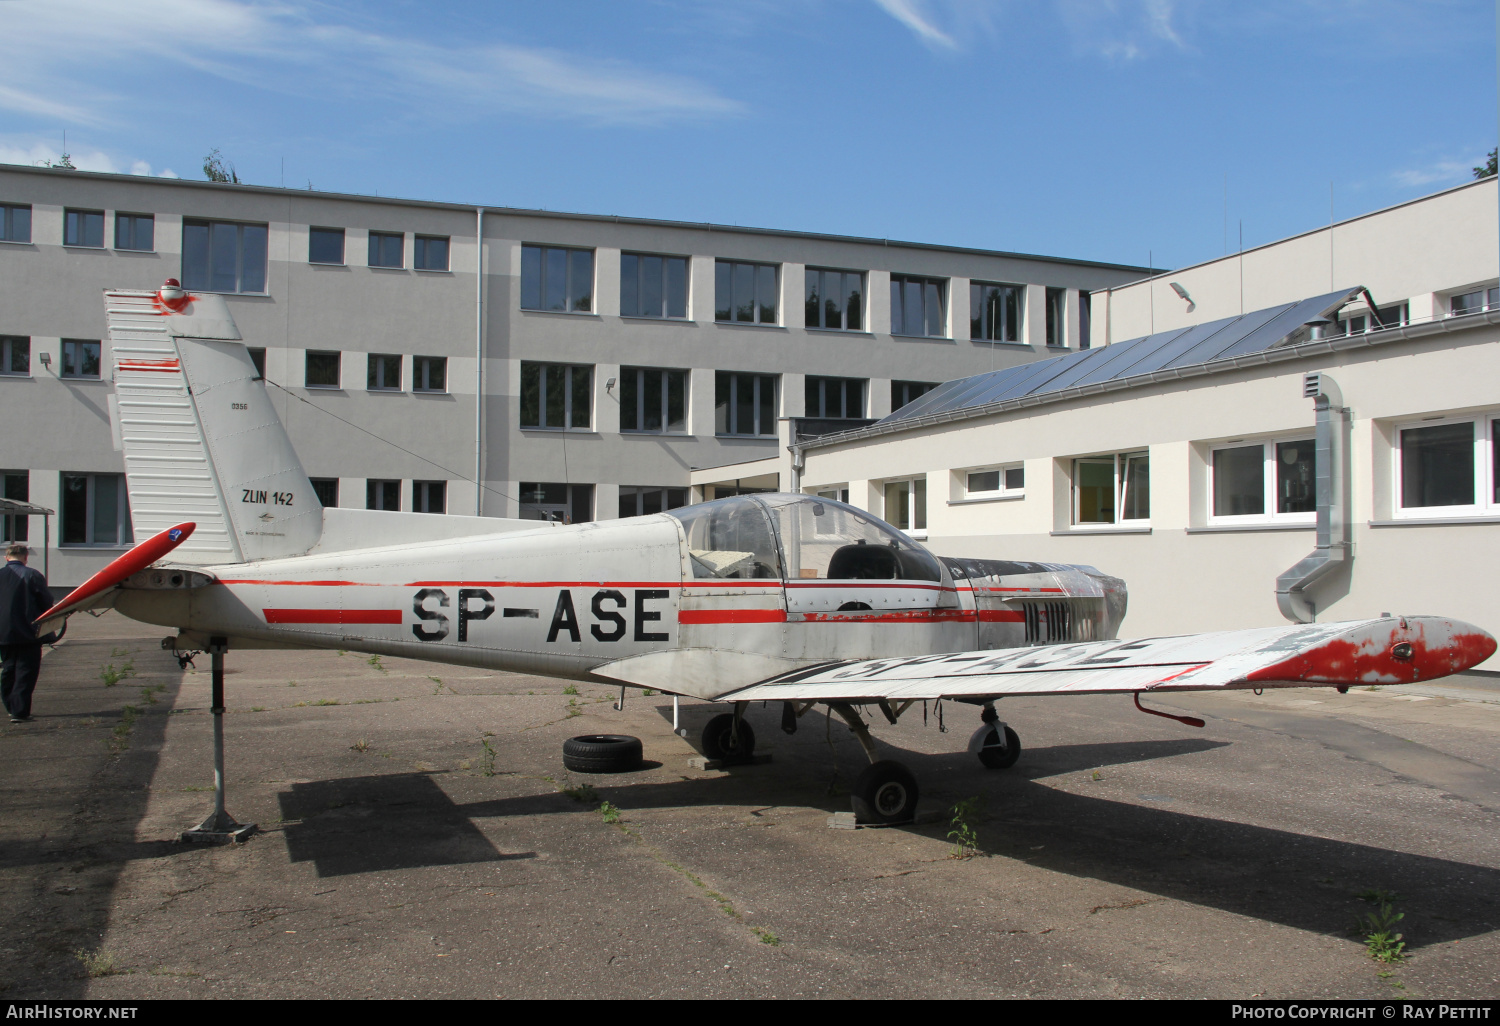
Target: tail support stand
(220, 827)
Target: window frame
(862, 399)
(8, 223)
(1270, 466)
(1055, 304)
(258, 357)
(639, 492)
(1120, 462)
(338, 363)
(568, 397)
(586, 300)
(684, 390)
(809, 291)
(421, 496)
(20, 522)
(420, 247)
(376, 364)
(726, 276)
(124, 217)
(375, 244)
(322, 496)
(1485, 424)
(898, 283)
(378, 488)
(757, 404)
(421, 372)
(903, 384)
(987, 329)
(1003, 489)
(916, 486)
(189, 223)
(7, 356)
(641, 277)
(68, 345)
(314, 229)
(124, 532)
(81, 213)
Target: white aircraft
(784, 598)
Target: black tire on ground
(602, 753)
(886, 792)
(992, 752)
(722, 741)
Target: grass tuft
(99, 963)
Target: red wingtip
(138, 558)
(1405, 650)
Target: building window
(1085, 316)
(429, 496)
(95, 510)
(80, 358)
(906, 504)
(653, 286)
(995, 311)
(1112, 489)
(835, 398)
(325, 245)
(744, 293)
(429, 374)
(834, 300)
(322, 370)
(556, 396)
(220, 256)
(564, 503)
(1056, 303)
(83, 228)
(135, 231)
(836, 494)
(560, 280)
(258, 357)
(653, 400)
(1475, 302)
(16, 486)
(327, 490)
(384, 373)
(387, 249)
(995, 482)
(1243, 476)
(642, 501)
(15, 223)
(904, 392)
(430, 252)
(384, 495)
(1449, 467)
(15, 355)
(744, 404)
(1390, 317)
(917, 306)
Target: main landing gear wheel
(602, 753)
(992, 750)
(886, 792)
(722, 740)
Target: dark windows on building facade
(322, 369)
(15, 223)
(653, 286)
(1475, 302)
(744, 293)
(429, 374)
(1056, 302)
(383, 494)
(744, 404)
(384, 373)
(834, 300)
(1112, 489)
(996, 312)
(326, 489)
(387, 249)
(15, 485)
(644, 500)
(557, 279)
(15, 355)
(1271, 479)
(903, 392)
(557, 396)
(83, 228)
(430, 252)
(95, 510)
(258, 357)
(653, 399)
(80, 358)
(918, 306)
(325, 245)
(1448, 468)
(557, 501)
(223, 256)
(135, 232)
(834, 398)
(429, 496)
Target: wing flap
(1391, 650)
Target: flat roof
(523, 212)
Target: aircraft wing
(98, 592)
(1391, 650)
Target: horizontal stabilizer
(1391, 650)
(97, 590)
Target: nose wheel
(885, 792)
(726, 739)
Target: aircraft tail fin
(202, 441)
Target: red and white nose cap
(171, 289)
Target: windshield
(730, 538)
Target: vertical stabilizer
(202, 441)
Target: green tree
(1488, 169)
(217, 169)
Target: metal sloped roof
(1166, 350)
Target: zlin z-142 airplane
(781, 598)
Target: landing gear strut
(885, 791)
(994, 743)
(729, 737)
(220, 827)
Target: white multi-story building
(441, 357)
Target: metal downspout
(1333, 492)
(479, 362)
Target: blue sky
(1099, 129)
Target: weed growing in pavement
(647, 693)
(438, 682)
(766, 936)
(197, 787)
(571, 689)
(488, 759)
(965, 840)
(1378, 928)
(360, 746)
(1097, 776)
(148, 693)
(257, 708)
(582, 793)
(121, 738)
(291, 683)
(610, 813)
(99, 963)
(326, 701)
(573, 709)
(112, 675)
(374, 661)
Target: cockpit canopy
(798, 536)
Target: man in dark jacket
(23, 598)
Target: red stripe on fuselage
(333, 616)
(702, 616)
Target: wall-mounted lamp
(1182, 294)
(609, 385)
(46, 358)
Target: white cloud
(1446, 171)
(300, 50)
(1122, 30)
(912, 14)
(38, 154)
